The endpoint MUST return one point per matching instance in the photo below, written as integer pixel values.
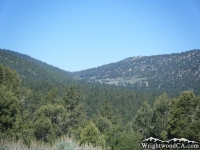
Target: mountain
(34, 72)
(175, 72)
(172, 73)
(42, 78)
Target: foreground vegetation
(39, 120)
(61, 144)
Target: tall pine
(74, 108)
(161, 111)
(142, 120)
(10, 105)
(184, 117)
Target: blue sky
(79, 34)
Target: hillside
(42, 78)
(172, 73)
(33, 71)
(175, 72)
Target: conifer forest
(44, 107)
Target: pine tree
(9, 110)
(52, 97)
(106, 110)
(73, 105)
(43, 129)
(142, 120)
(183, 116)
(71, 98)
(57, 115)
(103, 124)
(74, 108)
(91, 135)
(10, 105)
(122, 138)
(195, 125)
(161, 109)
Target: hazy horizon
(78, 35)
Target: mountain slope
(33, 71)
(172, 72)
(42, 78)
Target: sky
(75, 35)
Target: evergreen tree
(119, 138)
(106, 110)
(58, 118)
(10, 79)
(74, 108)
(43, 129)
(52, 97)
(34, 102)
(9, 111)
(75, 124)
(142, 120)
(183, 116)
(10, 105)
(103, 124)
(161, 109)
(195, 125)
(71, 98)
(91, 135)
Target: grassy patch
(62, 144)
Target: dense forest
(43, 104)
(41, 78)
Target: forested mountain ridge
(42, 78)
(172, 73)
(175, 72)
(31, 70)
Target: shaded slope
(33, 71)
